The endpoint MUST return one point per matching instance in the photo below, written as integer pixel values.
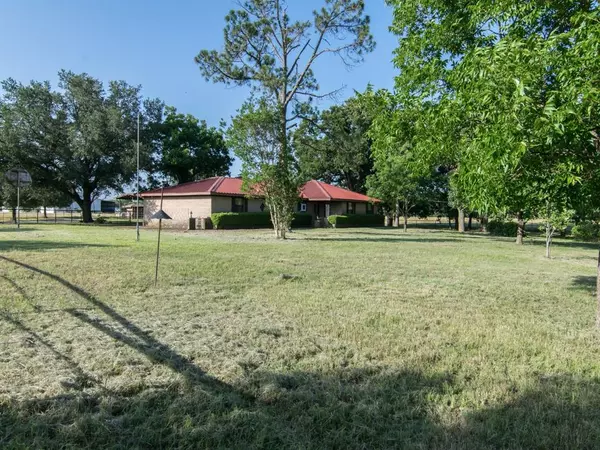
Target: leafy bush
(586, 231)
(498, 228)
(223, 221)
(100, 220)
(356, 220)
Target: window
(350, 208)
(239, 204)
(302, 207)
(370, 208)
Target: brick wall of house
(178, 208)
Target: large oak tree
(79, 140)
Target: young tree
(188, 149)
(274, 55)
(253, 138)
(79, 141)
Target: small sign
(18, 177)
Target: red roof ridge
(216, 184)
(327, 194)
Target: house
(129, 207)
(199, 199)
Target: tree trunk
(549, 233)
(598, 293)
(470, 226)
(396, 222)
(46, 212)
(461, 220)
(520, 228)
(14, 214)
(86, 212)
(484, 221)
(405, 222)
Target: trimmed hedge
(497, 228)
(357, 220)
(223, 221)
(586, 231)
(302, 220)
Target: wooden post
(158, 244)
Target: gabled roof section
(312, 191)
(318, 191)
(209, 186)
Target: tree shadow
(569, 244)
(81, 379)
(35, 245)
(398, 239)
(559, 412)
(345, 409)
(136, 338)
(584, 283)
(13, 229)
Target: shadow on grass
(400, 239)
(569, 244)
(137, 338)
(4, 228)
(40, 245)
(585, 283)
(345, 408)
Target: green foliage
(101, 220)
(356, 220)
(498, 96)
(501, 228)
(334, 145)
(266, 168)
(189, 149)
(78, 141)
(586, 231)
(223, 221)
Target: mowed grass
(366, 338)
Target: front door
(327, 209)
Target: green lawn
(370, 339)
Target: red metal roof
(313, 190)
(317, 190)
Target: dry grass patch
(334, 339)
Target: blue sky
(153, 43)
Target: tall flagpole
(137, 197)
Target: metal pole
(158, 245)
(157, 253)
(137, 197)
(18, 200)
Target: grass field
(333, 339)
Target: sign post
(18, 178)
(160, 215)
